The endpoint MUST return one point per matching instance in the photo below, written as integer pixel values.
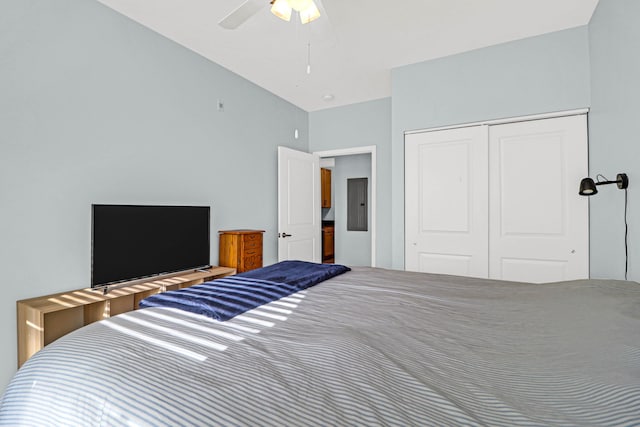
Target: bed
(368, 347)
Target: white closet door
(446, 224)
(538, 228)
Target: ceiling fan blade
(245, 11)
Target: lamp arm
(622, 181)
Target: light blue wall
(614, 146)
(351, 247)
(95, 108)
(534, 75)
(357, 125)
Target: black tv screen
(133, 242)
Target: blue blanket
(225, 298)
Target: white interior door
(446, 202)
(539, 225)
(298, 206)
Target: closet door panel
(538, 229)
(446, 224)
(532, 170)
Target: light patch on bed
(155, 341)
(123, 420)
(268, 315)
(276, 309)
(285, 304)
(191, 325)
(239, 327)
(175, 333)
(256, 321)
(228, 323)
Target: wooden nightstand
(241, 249)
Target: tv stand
(44, 319)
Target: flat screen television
(130, 242)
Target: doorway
(351, 247)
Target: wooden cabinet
(42, 320)
(325, 185)
(327, 244)
(241, 249)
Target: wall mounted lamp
(588, 188)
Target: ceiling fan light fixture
(311, 13)
(300, 5)
(281, 9)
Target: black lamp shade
(587, 187)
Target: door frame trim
(506, 120)
(369, 149)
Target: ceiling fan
(307, 10)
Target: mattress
(369, 347)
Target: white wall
(95, 108)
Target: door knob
(286, 235)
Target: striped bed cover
(370, 347)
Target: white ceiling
(354, 44)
